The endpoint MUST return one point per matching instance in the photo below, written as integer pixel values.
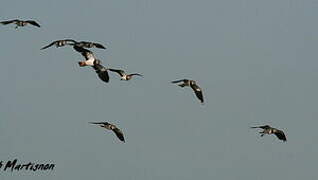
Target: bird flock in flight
(102, 72)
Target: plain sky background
(256, 61)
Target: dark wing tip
(198, 92)
(95, 122)
(177, 81)
(103, 75)
(98, 123)
(254, 127)
(136, 74)
(8, 22)
(280, 135)
(262, 127)
(99, 46)
(33, 23)
(121, 138)
(119, 134)
(45, 47)
(199, 96)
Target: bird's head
(81, 63)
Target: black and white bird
(270, 130)
(60, 43)
(191, 83)
(123, 75)
(101, 71)
(112, 127)
(88, 55)
(20, 22)
(87, 44)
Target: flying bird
(86, 44)
(101, 71)
(88, 55)
(112, 127)
(269, 130)
(197, 90)
(93, 62)
(20, 23)
(123, 75)
(60, 43)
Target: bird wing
(119, 71)
(85, 52)
(80, 49)
(263, 127)
(119, 134)
(198, 92)
(67, 42)
(88, 44)
(83, 44)
(103, 75)
(70, 41)
(181, 80)
(105, 123)
(101, 72)
(280, 134)
(99, 46)
(8, 22)
(49, 45)
(136, 74)
(33, 23)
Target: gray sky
(254, 59)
